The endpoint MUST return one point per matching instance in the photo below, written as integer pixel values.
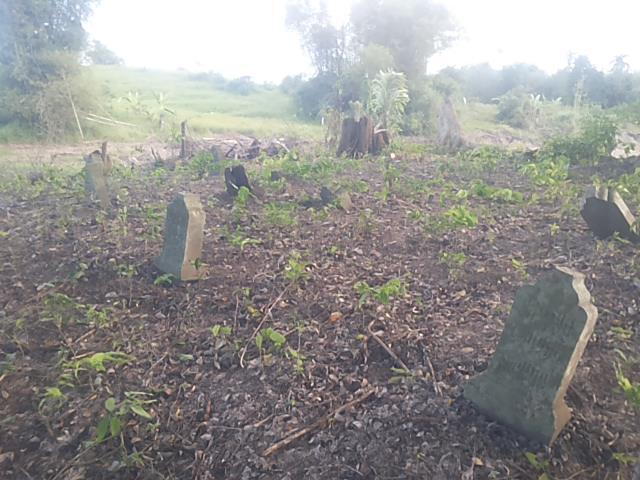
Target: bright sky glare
(248, 37)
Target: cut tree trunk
(359, 138)
(449, 130)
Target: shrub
(517, 108)
(595, 140)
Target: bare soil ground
(218, 404)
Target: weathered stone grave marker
(235, 178)
(183, 235)
(606, 213)
(542, 342)
(95, 179)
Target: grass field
(131, 95)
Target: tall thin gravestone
(95, 179)
(542, 342)
(183, 236)
(606, 213)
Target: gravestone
(183, 235)
(606, 213)
(95, 179)
(235, 178)
(542, 342)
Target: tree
(413, 30)
(40, 45)
(99, 54)
(326, 45)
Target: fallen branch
(289, 439)
(386, 348)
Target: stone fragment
(183, 236)
(542, 342)
(606, 213)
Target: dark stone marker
(235, 178)
(183, 235)
(536, 358)
(95, 180)
(606, 213)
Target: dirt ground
(77, 282)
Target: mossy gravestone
(541, 345)
(95, 179)
(183, 235)
(606, 213)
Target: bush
(517, 109)
(595, 140)
(421, 112)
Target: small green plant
(382, 294)
(296, 269)
(623, 334)
(416, 216)
(240, 239)
(96, 363)
(220, 331)
(504, 195)
(114, 422)
(631, 390)
(454, 261)
(400, 375)
(460, 217)
(242, 198)
(52, 398)
(61, 309)
(203, 164)
(626, 459)
(551, 172)
(520, 268)
(269, 335)
(281, 214)
(165, 280)
(542, 466)
(481, 159)
(81, 272)
(298, 360)
(99, 318)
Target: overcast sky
(248, 37)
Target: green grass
(264, 112)
(208, 109)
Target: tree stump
(449, 130)
(359, 138)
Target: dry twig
(264, 318)
(289, 439)
(386, 348)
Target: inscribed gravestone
(606, 213)
(95, 179)
(183, 235)
(542, 342)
